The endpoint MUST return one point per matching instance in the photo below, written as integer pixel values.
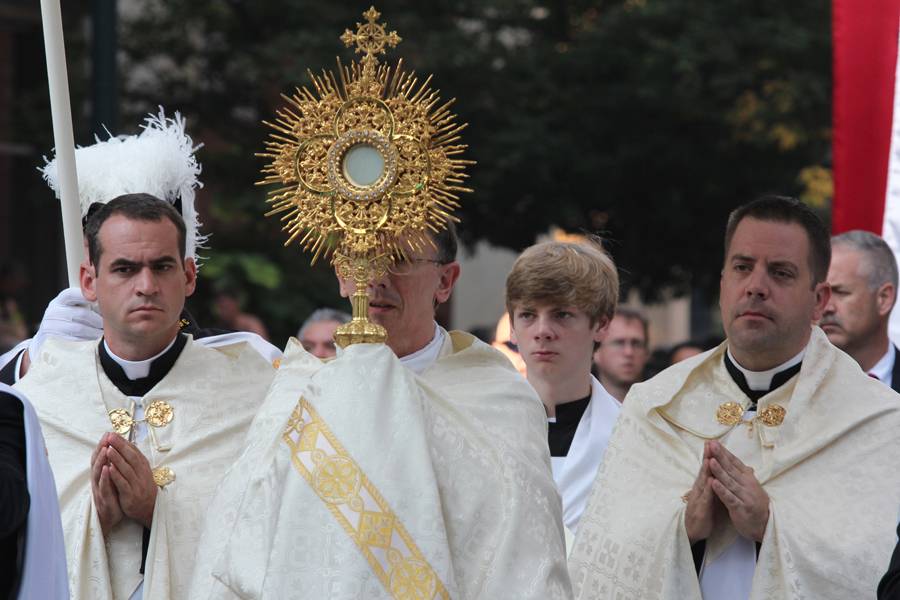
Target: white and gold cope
(369, 166)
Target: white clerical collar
(762, 380)
(137, 369)
(884, 368)
(423, 358)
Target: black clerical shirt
(14, 498)
(778, 380)
(561, 432)
(159, 368)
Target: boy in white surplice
(561, 297)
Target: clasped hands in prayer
(725, 482)
(121, 482)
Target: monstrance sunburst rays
(369, 165)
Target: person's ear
(510, 319)
(601, 328)
(190, 276)
(885, 297)
(448, 277)
(87, 277)
(822, 292)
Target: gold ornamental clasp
(772, 415)
(159, 414)
(121, 421)
(163, 476)
(729, 413)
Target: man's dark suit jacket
(895, 374)
(889, 588)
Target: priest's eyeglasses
(406, 266)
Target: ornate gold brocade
(359, 508)
(729, 413)
(159, 414)
(121, 421)
(772, 415)
(368, 167)
(732, 413)
(163, 476)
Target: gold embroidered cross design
(359, 508)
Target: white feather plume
(159, 161)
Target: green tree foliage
(643, 120)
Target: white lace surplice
(575, 473)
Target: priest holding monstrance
(413, 465)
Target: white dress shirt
(884, 368)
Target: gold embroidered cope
(459, 457)
(215, 392)
(828, 464)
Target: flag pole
(61, 112)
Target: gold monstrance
(368, 166)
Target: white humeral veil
(362, 480)
(576, 472)
(214, 394)
(829, 469)
(44, 565)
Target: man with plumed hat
(142, 422)
(160, 160)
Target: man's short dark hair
(783, 209)
(447, 243)
(136, 207)
(630, 314)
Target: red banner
(865, 37)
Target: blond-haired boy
(561, 297)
